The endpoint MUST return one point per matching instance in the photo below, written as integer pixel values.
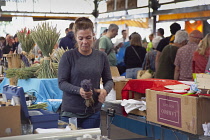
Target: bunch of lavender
(87, 86)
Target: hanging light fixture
(192, 21)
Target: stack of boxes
(186, 113)
(39, 118)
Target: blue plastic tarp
(43, 88)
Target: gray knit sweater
(75, 67)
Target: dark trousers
(85, 123)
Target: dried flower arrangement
(46, 37)
(26, 40)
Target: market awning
(192, 15)
(142, 23)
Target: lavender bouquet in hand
(87, 86)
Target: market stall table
(69, 135)
(43, 89)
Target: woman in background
(200, 57)
(134, 56)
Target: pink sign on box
(169, 110)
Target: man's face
(10, 39)
(16, 39)
(114, 32)
(124, 34)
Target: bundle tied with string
(46, 37)
(27, 44)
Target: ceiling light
(208, 21)
(192, 21)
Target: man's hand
(85, 95)
(102, 94)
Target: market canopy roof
(70, 9)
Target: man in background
(160, 32)
(183, 60)
(9, 48)
(165, 41)
(106, 45)
(96, 46)
(120, 41)
(68, 42)
(166, 66)
(149, 45)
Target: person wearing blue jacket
(68, 42)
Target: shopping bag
(144, 74)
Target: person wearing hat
(183, 60)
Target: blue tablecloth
(44, 89)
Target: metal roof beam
(183, 10)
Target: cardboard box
(114, 71)
(10, 123)
(136, 111)
(186, 113)
(203, 81)
(118, 86)
(39, 118)
(5, 103)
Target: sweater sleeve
(64, 75)
(106, 76)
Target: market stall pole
(14, 61)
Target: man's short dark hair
(174, 28)
(123, 31)
(161, 31)
(71, 25)
(105, 31)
